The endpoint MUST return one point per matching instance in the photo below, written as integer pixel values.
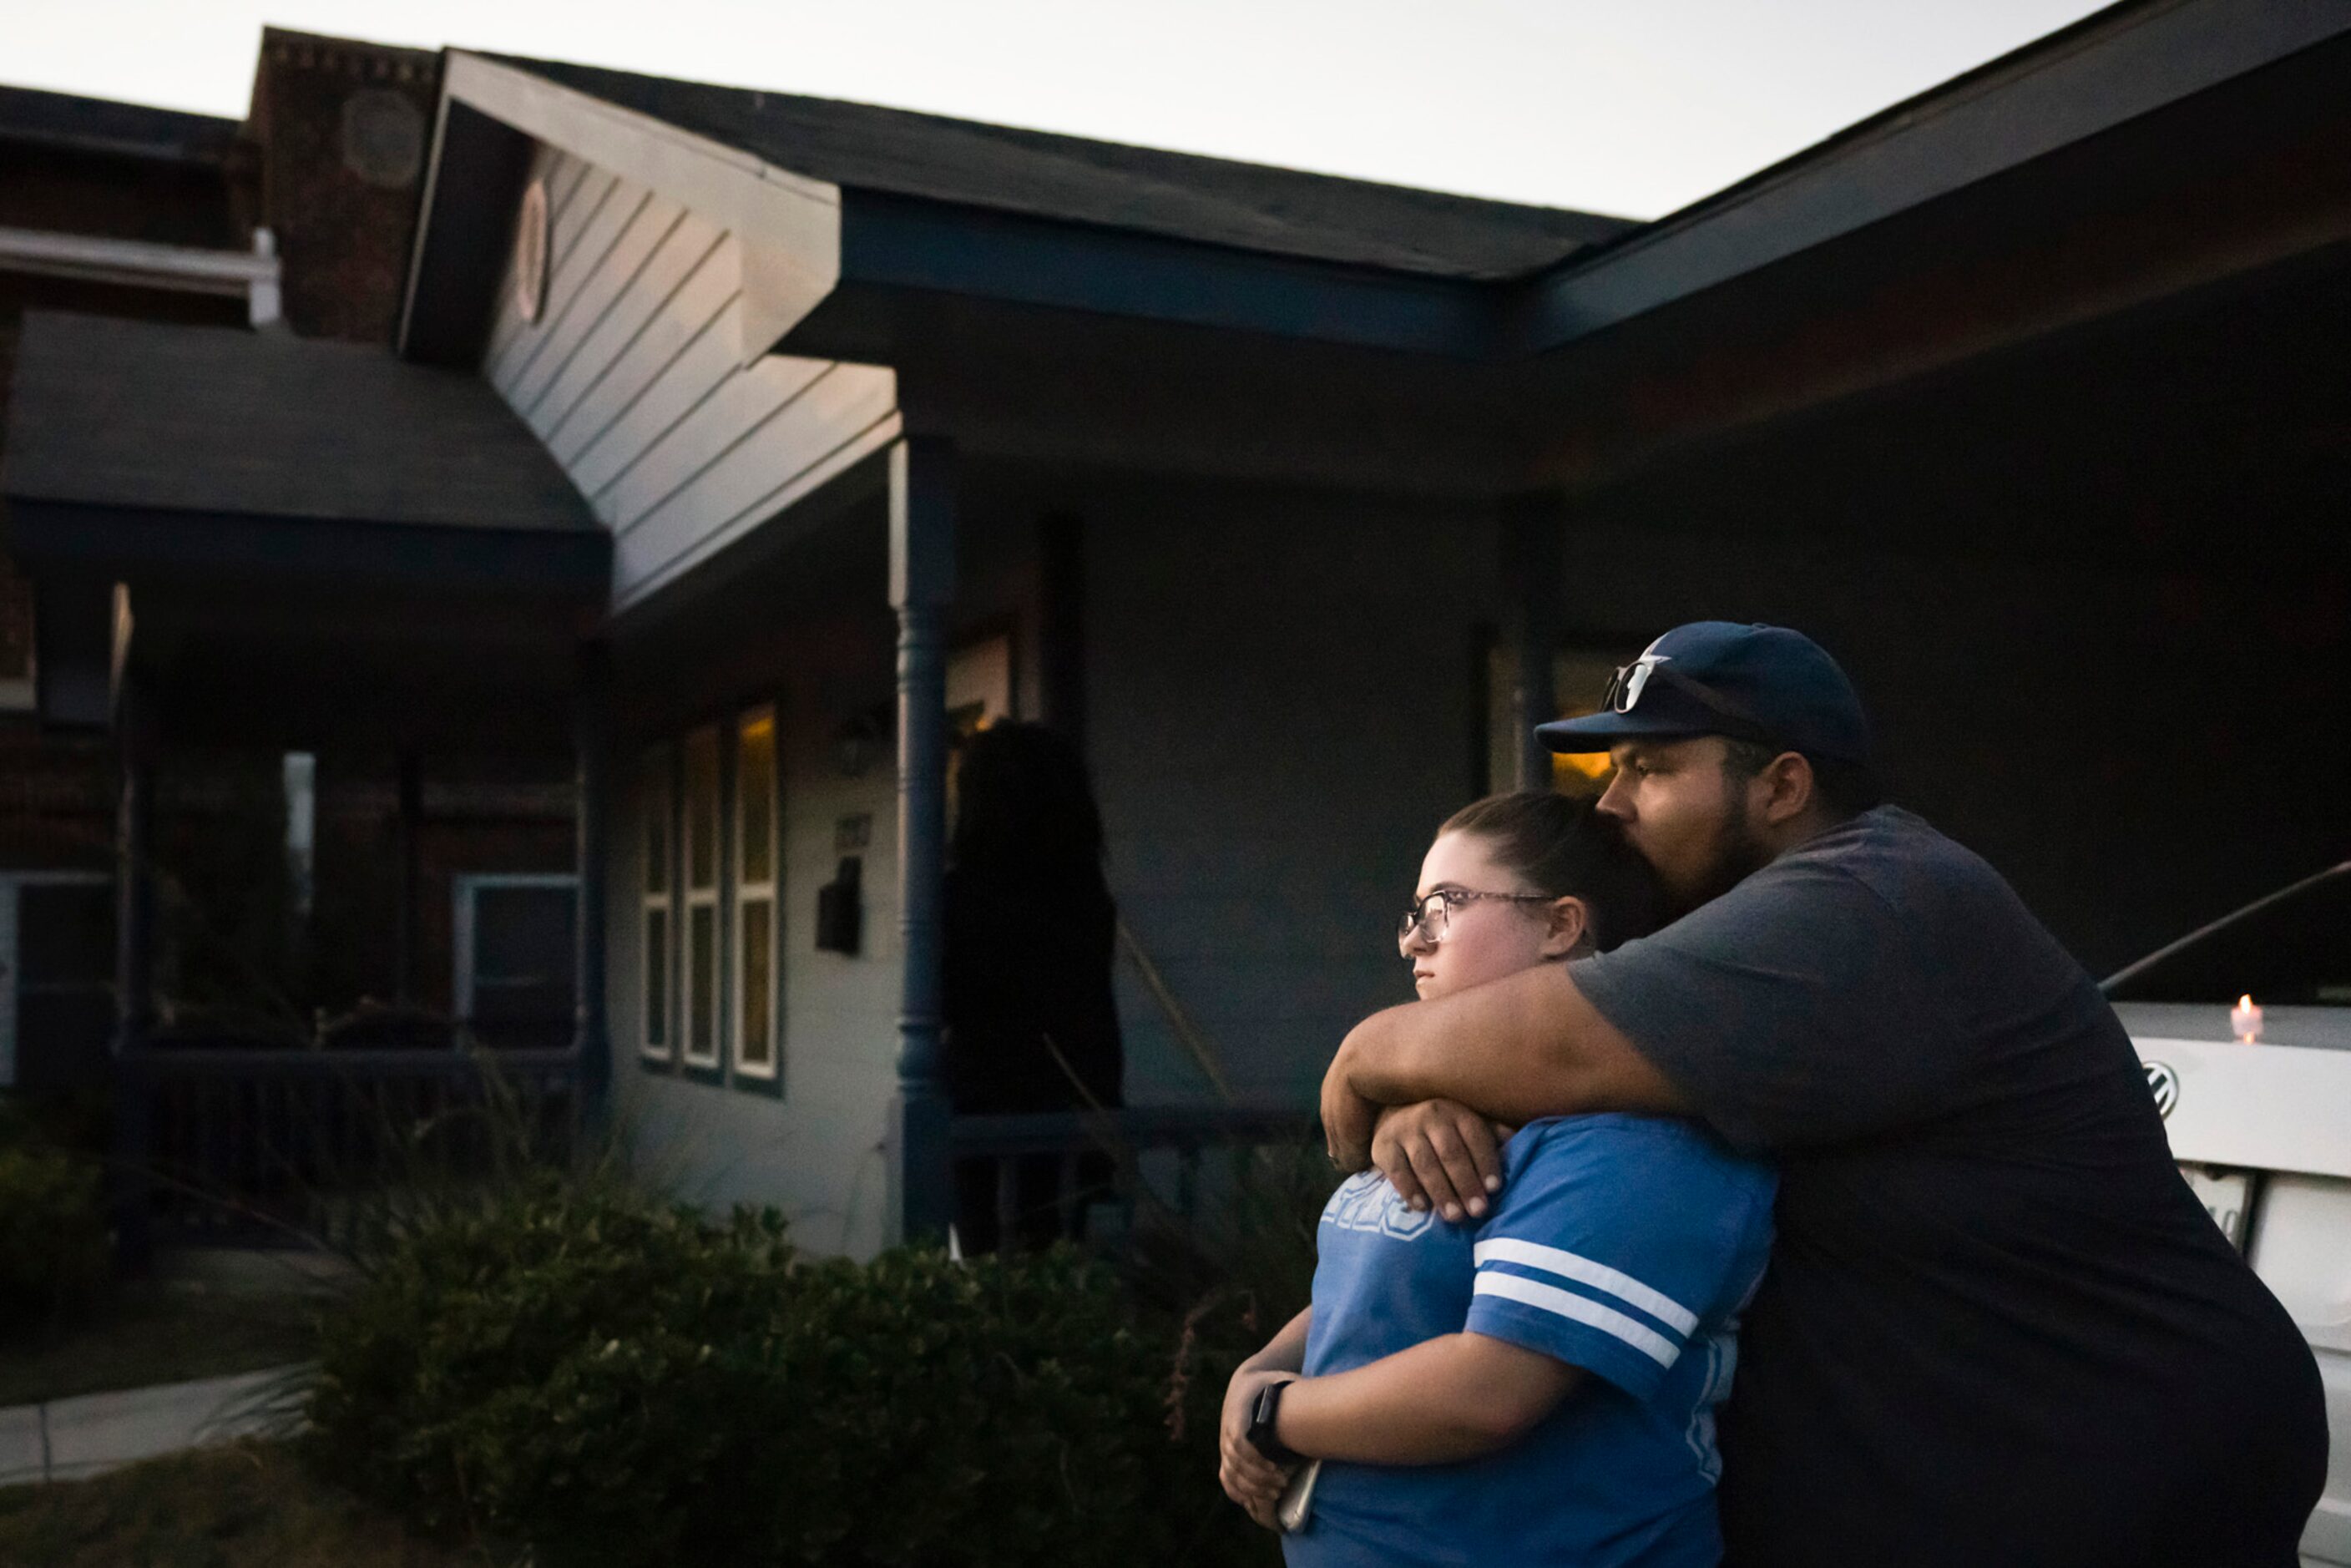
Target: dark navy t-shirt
(1998, 1327)
(1624, 1245)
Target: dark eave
(147, 543)
(898, 251)
(2126, 62)
(64, 121)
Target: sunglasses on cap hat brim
(1622, 718)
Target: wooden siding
(1279, 699)
(633, 378)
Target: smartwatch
(1262, 1415)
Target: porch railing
(265, 1147)
(1040, 1175)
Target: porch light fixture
(859, 741)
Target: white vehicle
(2244, 1027)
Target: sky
(1633, 106)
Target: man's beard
(1736, 853)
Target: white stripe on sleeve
(1584, 1272)
(1583, 1309)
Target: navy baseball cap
(1754, 683)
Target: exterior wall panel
(1279, 700)
(814, 1152)
(634, 376)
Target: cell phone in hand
(1297, 1504)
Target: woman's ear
(1567, 927)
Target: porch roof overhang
(256, 491)
(142, 450)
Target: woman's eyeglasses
(1432, 916)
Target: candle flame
(2246, 1001)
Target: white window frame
(657, 791)
(698, 898)
(746, 891)
(12, 966)
(463, 888)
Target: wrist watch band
(1263, 1413)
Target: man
(1997, 1329)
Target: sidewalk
(69, 1439)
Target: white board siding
(586, 311)
(647, 266)
(726, 408)
(634, 377)
(650, 368)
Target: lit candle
(2245, 1019)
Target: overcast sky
(1633, 106)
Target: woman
(1030, 1021)
(1537, 1383)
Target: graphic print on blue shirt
(1624, 1245)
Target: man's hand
(1440, 1153)
(1347, 1116)
(1249, 1478)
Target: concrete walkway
(68, 1439)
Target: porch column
(134, 973)
(922, 585)
(592, 749)
(1532, 561)
(407, 824)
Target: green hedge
(621, 1382)
(53, 1234)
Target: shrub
(618, 1381)
(53, 1233)
(475, 1319)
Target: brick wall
(343, 130)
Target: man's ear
(1567, 926)
(1789, 788)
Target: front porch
(333, 612)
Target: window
(517, 959)
(700, 969)
(979, 684)
(756, 857)
(1579, 680)
(16, 637)
(657, 799)
(57, 980)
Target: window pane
(702, 981)
(755, 794)
(654, 802)
(759, 948)
(702, 809)
(657, 979)
(524, 953)
(654, 791)
(1579, 680)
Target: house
(298, 221)
(731, 443)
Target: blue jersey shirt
(1624, 1245)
